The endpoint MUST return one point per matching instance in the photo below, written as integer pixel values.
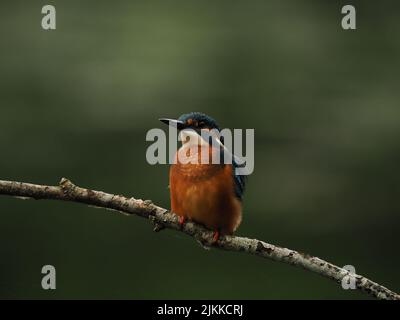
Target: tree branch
(162, 218)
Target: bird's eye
(202, 124)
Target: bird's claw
(181, 220)
(215, 237)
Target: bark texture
(162, 218)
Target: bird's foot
(181, 220)
(215, 236)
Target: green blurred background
(78, 101)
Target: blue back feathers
(240, 182)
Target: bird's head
(194, 120)
(190, 126)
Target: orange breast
(205, 193)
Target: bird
(207, 193)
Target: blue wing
(240, 182)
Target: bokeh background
(78, 101)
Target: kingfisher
(207, 193)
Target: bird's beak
(172, 122)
